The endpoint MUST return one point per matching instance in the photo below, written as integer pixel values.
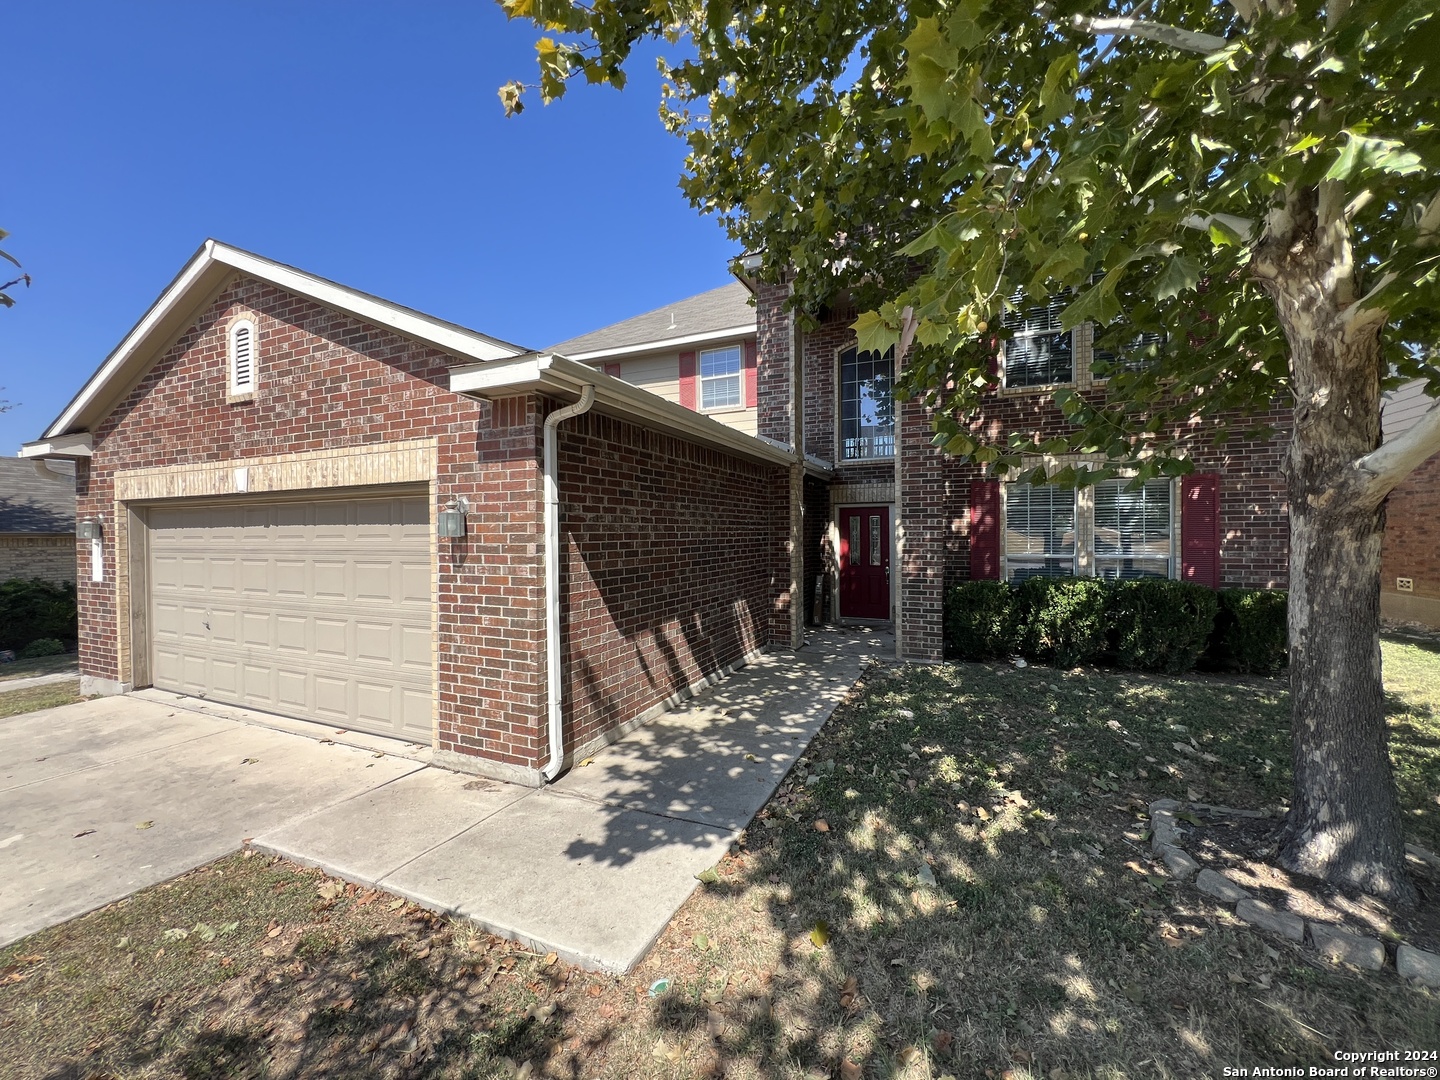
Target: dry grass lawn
(953, 882)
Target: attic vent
(242, 357)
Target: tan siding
(1404, 406)
(660, 374)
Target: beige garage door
(318, 610)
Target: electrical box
(1404, 584)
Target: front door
(865, 562)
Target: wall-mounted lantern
(89, 529)
(451, 520)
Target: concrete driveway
(592, 867)
(77, 784)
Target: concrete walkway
(594, 866)
(38, 680)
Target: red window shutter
(612, 369)
(748, 363)
(985, 529)
(1200, 529)
(687, 379)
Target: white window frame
(1085, 558)
(1020, 302)
(237, 388)
(707, 382)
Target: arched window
(242, 357)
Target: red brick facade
(1412, 547)
(934, 492)
(674, 558)
(673, 550)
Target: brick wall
(934, 496)
(1412, 547)
(674, 559)
(49, 558)
(328, 381)
(772, 367)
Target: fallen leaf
(593, 990)
(82, 832)
(708, 877)
(329, 890)
(820, 934)
(145, 824)
(942, 1041)
(701, 942)
(176, 933)
(851, 1071)
(277, 931)
(908, 1054)
(821, 825)
(587, 761)
(550, 959)
(1021, 1057)
(250, 761)
(396, 905)
(204, 931)
(849, 993)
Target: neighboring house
(315, 502)
(698, 352)
(37, 521)
(1410, 554)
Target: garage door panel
(319, 610)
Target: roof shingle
(719, 309)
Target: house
(37, 521)
(312, 501)
(315, 502)
(1410, 553)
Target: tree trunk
(1345, 824)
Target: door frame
(834, 536)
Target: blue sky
(361, 141)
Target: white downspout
(552, 573)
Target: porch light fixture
(451, 520)
(89, 529)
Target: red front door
(865, 562)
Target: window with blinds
(1040, 535)
(242, 357)
(1133, 530)
(1037, 352)
(1136, 354)
(867, 405)
(720, 378)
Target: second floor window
(1037, 352)
(720, 378)
(867, 405)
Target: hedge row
(1145, 625)
(31, 609)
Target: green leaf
(873, 334)
(1181, 274)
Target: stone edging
(1330, 941)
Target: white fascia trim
(453, 339)
(551, 372)
(63, 446)
(706, 338)
(443, 335)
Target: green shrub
(979, 620)
(33, 609)
(1251, 631)
(45, 646)
(1159, 625)
(1061, 621)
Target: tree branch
(1382, 469)
(1174, 36)
(1428, 230)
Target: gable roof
(199, 282)
(29, 503)
(719, 313)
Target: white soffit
(204, 275)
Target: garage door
(318, 610)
